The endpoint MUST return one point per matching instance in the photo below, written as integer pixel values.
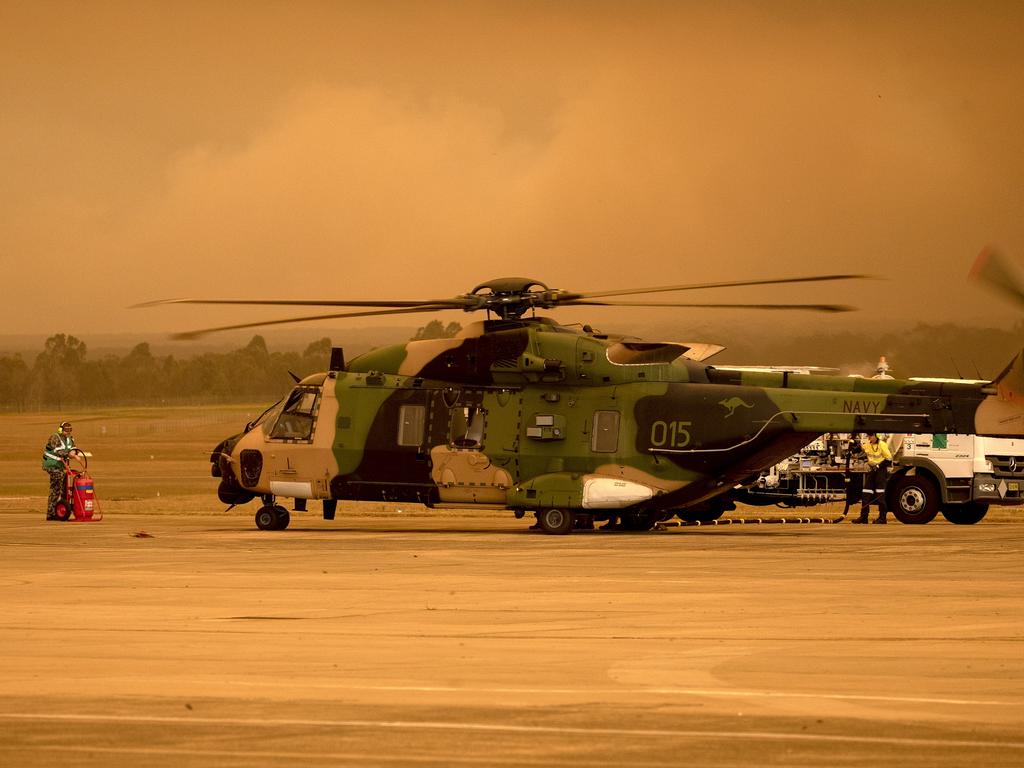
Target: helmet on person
(64, 425)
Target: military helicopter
(574, 426)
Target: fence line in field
(232, 420)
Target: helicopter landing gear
(639, 521)
(271, 516)
(700, 516)
(583, 523)
(558, 521)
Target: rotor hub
(511, 297)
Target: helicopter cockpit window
(297, 416)
(466, 426)
(606, 432)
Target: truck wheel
(913, 499)
(268, 517)
(558, 521)
(965, 514)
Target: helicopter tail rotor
(996, 272)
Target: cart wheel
(62, 511)
(268, 518)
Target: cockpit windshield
(295, 419)
(270, 414)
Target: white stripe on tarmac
(300, 758)
(641, 691)
(263, 722)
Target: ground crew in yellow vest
(60, 445)
(879, 459)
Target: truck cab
(966, 473)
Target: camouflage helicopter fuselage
(531, 416)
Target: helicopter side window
(296, 419)
(466, 426)
(411, 420)
(605, 438)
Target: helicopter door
(297, 459)
(462, 470)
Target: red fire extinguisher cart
(79, 504)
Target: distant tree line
(945, 350)
(435, 329)
(62, 375)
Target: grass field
(137, 453)
(156, 461)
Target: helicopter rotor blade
(697, 286)
(807, 307)
(508, 298)
(453, 303)
(190, 335)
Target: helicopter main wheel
(965, 514)
(62, 511)
(914, 499)
(558, 521)
(272, 517)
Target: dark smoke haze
(411, 150)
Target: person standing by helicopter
(60, 445)
(879, 459)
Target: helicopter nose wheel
(272, 517)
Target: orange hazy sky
(307, 150)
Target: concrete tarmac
(437, 639)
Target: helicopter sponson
(570, 425)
